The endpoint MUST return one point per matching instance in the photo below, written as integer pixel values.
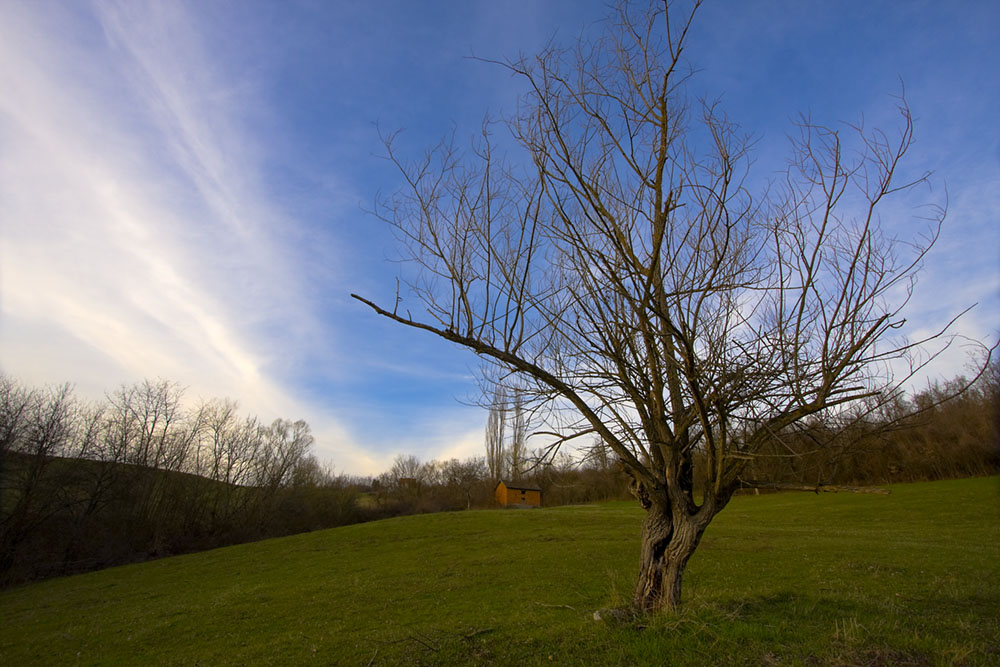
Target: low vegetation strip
(910, 578)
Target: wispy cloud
(134, 228)
(139, 238)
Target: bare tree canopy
(624, 271)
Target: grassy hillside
(912, 578)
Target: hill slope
(912, 578)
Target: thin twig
(476, 633)
(556, 606)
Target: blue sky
(183, 185)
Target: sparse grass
(912, 578)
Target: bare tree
(408, 475)
(465, 476)
(286, 444)
(495, 426)
(407, 467)
(518, 449)
(15, 408)
(36, 427)
(624, 271)
(507, 429)
(597, 454)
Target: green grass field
(907, 579)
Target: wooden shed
(517, 494)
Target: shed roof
(519, 486)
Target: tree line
(949, 429)
(139, 475)
(144, 474)
(85, 485)
(415, 486)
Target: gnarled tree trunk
(669, 539)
